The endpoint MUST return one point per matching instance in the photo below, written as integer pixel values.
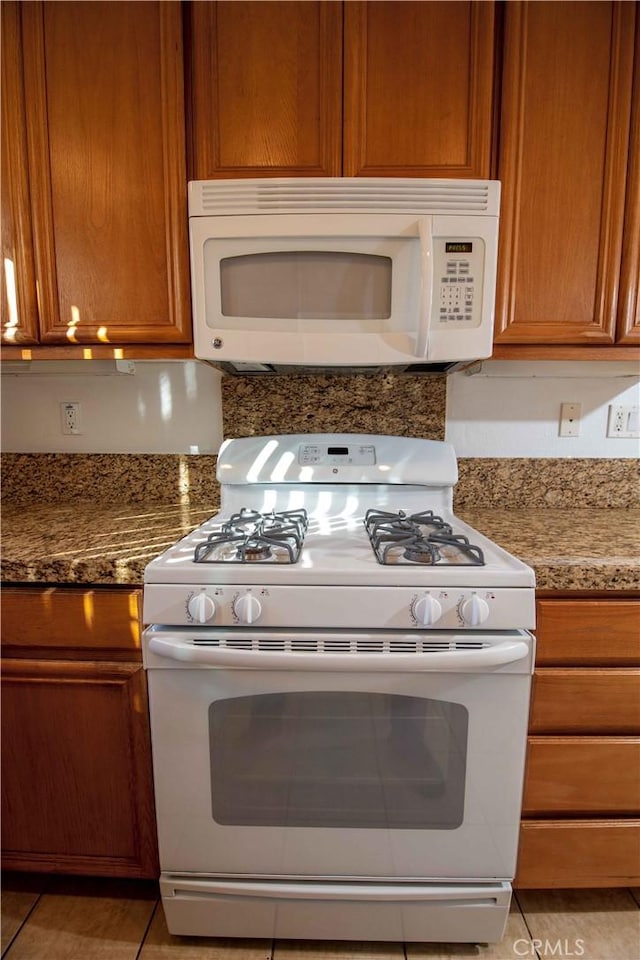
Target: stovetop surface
(337, 551)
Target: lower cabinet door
(77, 789)
(582, 776)
(578, 853)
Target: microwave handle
(425, 232)
(184, 650)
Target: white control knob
(201, 607)
(427, 610)
(247, 608)
(474, 611)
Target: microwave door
(425, 232)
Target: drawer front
(585, 700)
(578, 853)
(582, 775)
(583, 632)
(67, 623)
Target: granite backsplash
(34, 478)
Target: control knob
(247, 608)
(201, 607)
(474, 611)
(427, 610)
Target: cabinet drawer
(583, 700)
(65, 623)
(579, 853)
(583, 632)
(573, 775)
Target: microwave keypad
(459, 281)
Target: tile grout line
(525, 921)
(8, 947)
(147, 929)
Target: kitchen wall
(171, 407)
(500, 410)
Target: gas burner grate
(401, 538)
(252, 537)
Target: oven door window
(338, 759)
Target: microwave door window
(353, 288)
(338, 759)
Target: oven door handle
(448, 661)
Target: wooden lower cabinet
(581, 806)
(77, 788)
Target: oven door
(281, 763)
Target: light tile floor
(54, 918)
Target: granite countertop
(575, 549)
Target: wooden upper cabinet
(629, 300)
(19, 309)
(273, 93)
(418, 89)
(266, 89)
(104, 92)
(566, 101)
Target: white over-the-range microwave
(343, 272)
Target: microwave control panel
(458, 281)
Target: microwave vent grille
(343, 195)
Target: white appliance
(343, 272)
(339, 675)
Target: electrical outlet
(624, 421)
(570, 419)
(70, 416)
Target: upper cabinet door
(629, 301)
(418, 89)
(266, 89)
(19, 311)
(566, 97)
(107, 170)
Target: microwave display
(307, 284)
(458, 246)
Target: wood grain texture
(19, 322)
(582, 775)
(107, 170)
(77, 790)
(59, 623)
(578, 853)
(566, 82)
(588, 632)
(596, 700)
(266, 88)
(418, 89)
(628, 331)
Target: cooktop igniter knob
(427, 610)
(474, 611)
(247, 608)
(201, 607)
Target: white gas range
(339, 673)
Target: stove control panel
(357, 454)
(335, 607)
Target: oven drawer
(307, 910)
(578, 775)
(578, 853)
(586, 700)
